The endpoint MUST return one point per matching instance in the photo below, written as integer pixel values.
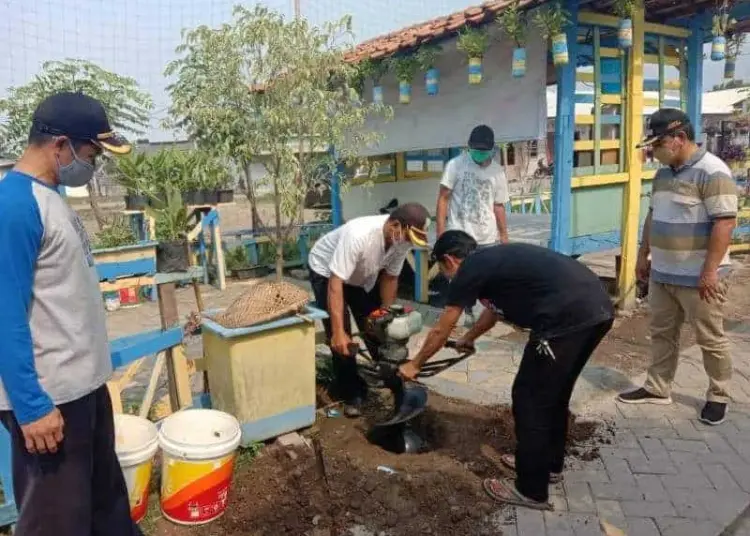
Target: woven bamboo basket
(264, 302)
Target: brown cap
(416, 218)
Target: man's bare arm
(388, 289)
(441, 212)
(718, 244)
(502, 223)
(336, 304)
(486, 322)
(438, 335)
(645, 248)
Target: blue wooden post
(337, 217)
(564, 132)
(695, 71)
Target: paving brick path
(665, 473)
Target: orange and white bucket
(136, 442)
(199, 447)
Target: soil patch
(438, 492)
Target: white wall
(365, 201)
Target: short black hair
(411, 215)
(455, 243)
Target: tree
(282, 89)
(126, 105)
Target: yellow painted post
(400, 166)
(631, 199)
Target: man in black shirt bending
(567, 311)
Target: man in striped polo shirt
(687, 234)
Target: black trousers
(79, 490)
(541, 395)
(348, 384)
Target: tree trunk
(279, 231)
(250, 193)
(94, 202)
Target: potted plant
(172, 226)
(427, 57)
(513, 22)
(375, 70)
(114, 235)
(624, 10)
(405, 67)
(133, 173)
(550, 21)
(474, 42)
(238, 263)
(719, 28)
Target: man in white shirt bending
(345, 266)
(473, 194)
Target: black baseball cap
(664, 122)
(482, 138)
(78, 117)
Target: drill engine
(389, 330)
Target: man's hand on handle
(44, 435)
(340, 343)
(409, 371)
(464, 346)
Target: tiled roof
(424, 32)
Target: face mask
(480, 157)
(77, 173)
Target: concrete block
(639, 526)
(684, 445)
(686, 482)
(652, 468)
(618, 470)
(651, 487)
(675, 526)
(648, 508)
(578, 495)
(609, 509)
(653, 448)
(616, 491)
(720, 478)
(586, 475)
(557, 522)
(559, 503)
(530, 522)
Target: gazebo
(601, 181)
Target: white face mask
(77, 173)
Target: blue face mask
(77, 173)
(479, 156)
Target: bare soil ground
(437, 492)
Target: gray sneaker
(641, 396)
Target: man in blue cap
(53, 335)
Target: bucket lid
(135, 439)
(199, 434)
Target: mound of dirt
(353, 483)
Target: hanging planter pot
(625, 33)
(475, 71)
(377, 94)
(474, 42)
(404, 92)
(729, 68)
(374, 70)
(432, 81)
(519, 62)
(426, 57)
(718, 48)
(560, 49)
(513, 23)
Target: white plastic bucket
(136, 442)
(199, 448)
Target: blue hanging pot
(519, 62)
(377, 94)
(560, 49)
(404, 92)
(475, 70)
(718, 48)
(729, 68)
(625, 33)
(432, 81)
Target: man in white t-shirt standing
(356, 268)
(473, 194)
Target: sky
(137, 38)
